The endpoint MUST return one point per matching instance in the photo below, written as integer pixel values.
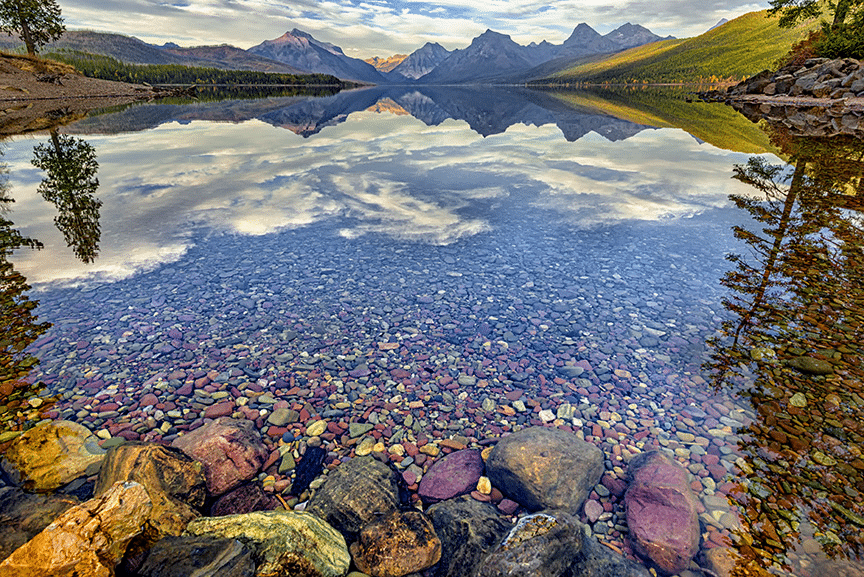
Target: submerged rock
(596, 560)
(244, 499)
(662, 512)
(468, 530)
(230, 450)
(540, 545)
(174, 481)
(283, 542)
(24, 515)
(198, 556)
(356, 493)
(455, 474)
(51, 455)
(545, 468)
(810, 365)
(89, 539)
(397, 544)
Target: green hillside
(731, 52)
(716, 124)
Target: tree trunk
(25, 32)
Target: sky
(365, 28)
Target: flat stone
(24, 515)
(397, 544)
(198, 556)
(455, 474)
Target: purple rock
(455, 474)
(593, 510)
(662, 512)
(360, 371)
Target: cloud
(376, 173)
(386, 27)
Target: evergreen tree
(36, 22)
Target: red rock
(148, 399)
(222, 409)
(455, 474)
(185, 390)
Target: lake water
(455, 264)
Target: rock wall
(817, 77)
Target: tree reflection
(794, 346)
(70, 184)
(19, 326)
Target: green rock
(284, 542)
(8, 436)
(358, 429)
(762, 354)
(287, 463)
(810, 366)
(798, 400)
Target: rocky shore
(40, 94)
(520, 506)
(821, 97)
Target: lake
(642, 270)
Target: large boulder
(24, 515)
(544, 468)
(282, 542)
(51, 455)
(89, 539)
(174, 481)
(540, 545)
(198, 557)
(231, 451)
(354, 494)
(455, 474)
(662, 512)
(397, 544)
(468, 530)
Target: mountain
(134, 51)
(720, 23)
(302, 51)
(735, 50)
(632, 35)
(386, 64)
(586, 40)
(422, 61)
(490, 54)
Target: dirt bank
(38, 95)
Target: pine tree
(36, 22)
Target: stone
(231, 451)
(308, 469)
(592, 510)
(198, 556)
(810, 365)
(662, 512)
(595, 560)
(24, 515)
(397, 544)
(540, 545)
(174, 481)
(244, 499)
(545, 468)
(354, 494)
(359, 429)
(798, 400)
(455, 474)
(721, 561)
(51, 455)
(316, 428)
(282, 542)
(89, 539)
(468, 530)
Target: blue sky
(365, 28)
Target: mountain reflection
(794, 347)
(19, 326)
(70, 184)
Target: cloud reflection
(376, 173)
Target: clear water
(363, 253)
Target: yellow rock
(485, 452)
(431, 450)
(484, 485)
(379, 447)
(316, 428)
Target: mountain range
(491, 56)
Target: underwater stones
(23, 515)
(89, 539)
(468, 530)
(51, 455)
(455, 474)
(596, 560)
(230, 450)
(662, 512)
(540, 545)
(397, 544)
(174, 481)
(356, 493)
(244, 499)
(810, 365)
(283, 542)
(545, 468)
(198, 556)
